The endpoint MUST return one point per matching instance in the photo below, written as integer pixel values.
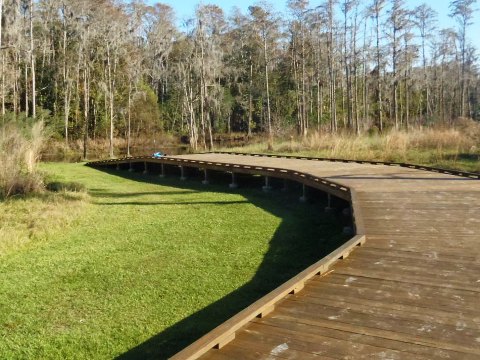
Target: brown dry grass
(457, 147)
(19, 155)
(32, 219)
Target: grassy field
(138, 269)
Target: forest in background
(105, 69)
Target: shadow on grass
(463, 157)
(150, 203)
(109, 194)
(305, 235)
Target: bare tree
(32, 63)
(297, 29)
(266, 25)
(397, 19)
(463, 11)
(376, 11)
(425, 18)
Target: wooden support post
(234, 184)
(267, 186)
(182, 173)
(162, 174)
(303, 198)
(205, 179)
(130, 167)
(117, 167)
(145, 168)
(329, 204)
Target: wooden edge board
(357, 214)
(219, 336)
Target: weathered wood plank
(411, 292)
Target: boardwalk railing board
(225, 332)
(332, 187)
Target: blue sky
(185, 9)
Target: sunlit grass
(124, 268)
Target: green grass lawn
(139, 267)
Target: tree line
(102, 69)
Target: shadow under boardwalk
(305, 234)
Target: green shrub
(58, 186)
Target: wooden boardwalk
(412, 291)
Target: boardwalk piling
(267, 186)
(329, 208)
(182, 173)
(205, 179)
(303, 198)
(162, 173)
(234, 184)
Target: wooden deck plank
(411, 292)
(450, 306)
(391, 309)
(308, 340)
(434, 265)
(383, 326)
(363, 339)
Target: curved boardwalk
(412, 291)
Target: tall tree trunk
(347, 71)
(407, 102)
(269, 115)
(32, 64)
(297, 88)
(355, 77)
(66, 98)
(395, 80)
(3, 78)
(463, 80)
(129, 117)
(27, 108)
(110, 98)
(16, 90)
(250, 100)
(365, 87)
(318, 105)
(86, 98)
(203, 90)
(3, 63)
(304, 112)
(66, 84)
(210, 135)
(379, 85)
(331, 69)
